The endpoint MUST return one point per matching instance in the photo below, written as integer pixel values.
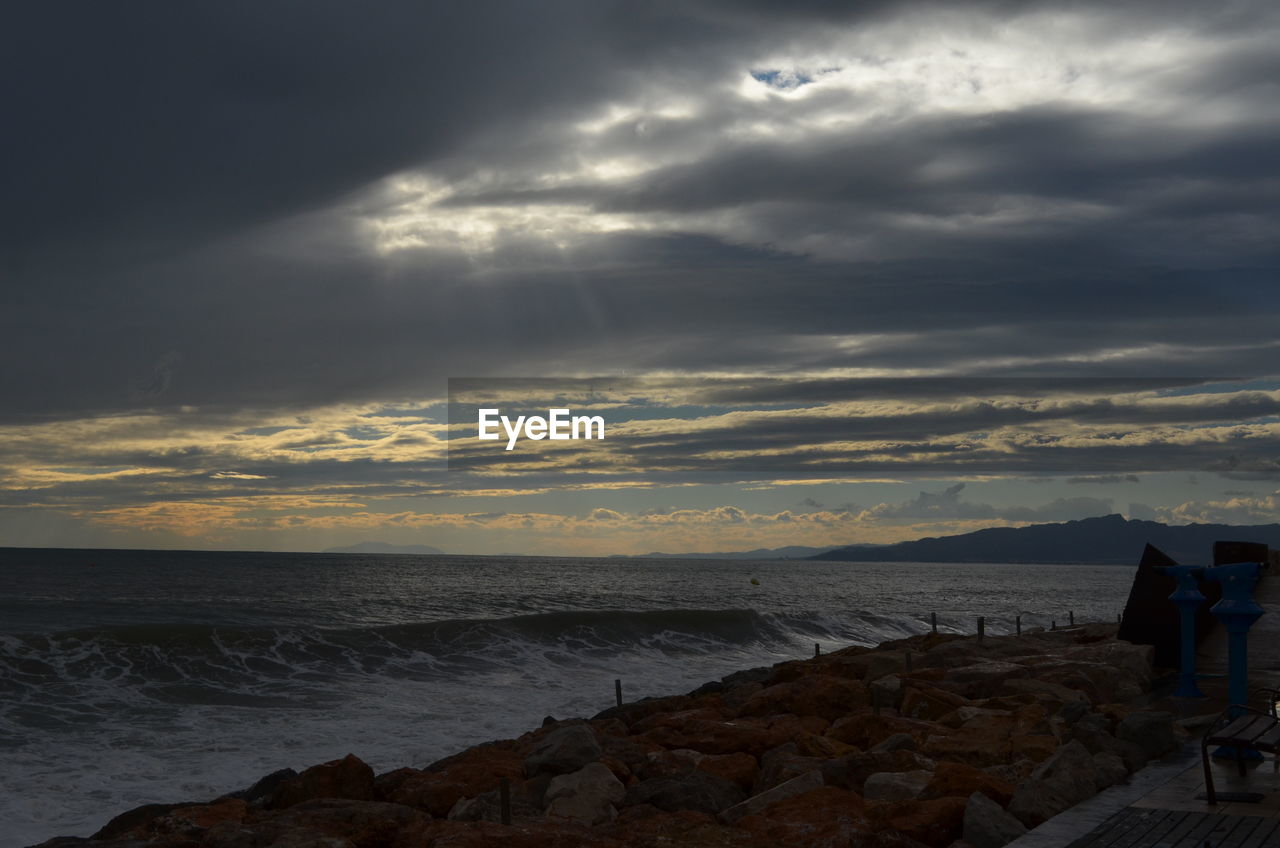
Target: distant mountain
(383, 548)
(789, 552)
(1109, 539)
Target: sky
(832, 273)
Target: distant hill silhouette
(789, 552)
(383, 548)
(1109, 539)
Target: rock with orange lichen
(924, 701)
(349, 777)
(649, 827)
(740, 768)
(937, 822)
(749, 735)
(866, 729)
(476, 770)
(957, 780)
(818, 695)
(177, 820)
(822, 818)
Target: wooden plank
(1093, 838)
(1154, 820)
(1266, 835)
(1152, 825)
(1187, 825)
(1244, 829)
(1202, 832)
(1157, 834)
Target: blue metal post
(1237, 611)
(1187, 598)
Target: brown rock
(817, 695)
(782, 764)
(363, 823)
(984, 679)
(866, 729)
(813, 745)
(740, 768)
(936, 823)
(761, 801)
(820, 819)
(929, 703)
(692, 790)
(957, 780)
(851, 772)
(349, 777)
(475, 771)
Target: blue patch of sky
(782, 79)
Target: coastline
(938, 740)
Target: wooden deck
(1137, 827)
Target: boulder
(781, 764)
(1110, 769)
(813, 745)
(820, 818)
(475, 771)
(323, 822)
(739, 768)
(886, 691)
(896, 742)
(588, 796)
(563, 750)
(692, 790)
(1051, 691)
(1071, 772)
(896, 785)
(984, 679)
(1036, 801)
(936, 823)
(1151, 731)
(851, 772)
(826, 697)
(958, 780)
(987, 825)
(929, 703)
(349, 777)
(758, 803)
(528, 801)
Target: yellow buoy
(755, 582)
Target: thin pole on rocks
(817, 649)
(933, 620)
(617, 691)
(1017, 624)
(504, 799)
(982, 627)
(1071, 617)
(1053, 625)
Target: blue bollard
(1187, 598)
(1237, 611)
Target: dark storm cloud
(184, 188)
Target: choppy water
(129, 677)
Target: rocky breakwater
(936, 740)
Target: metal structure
(1187, 598)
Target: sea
(134, 677)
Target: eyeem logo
(560, 424)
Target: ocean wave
(162, 659)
